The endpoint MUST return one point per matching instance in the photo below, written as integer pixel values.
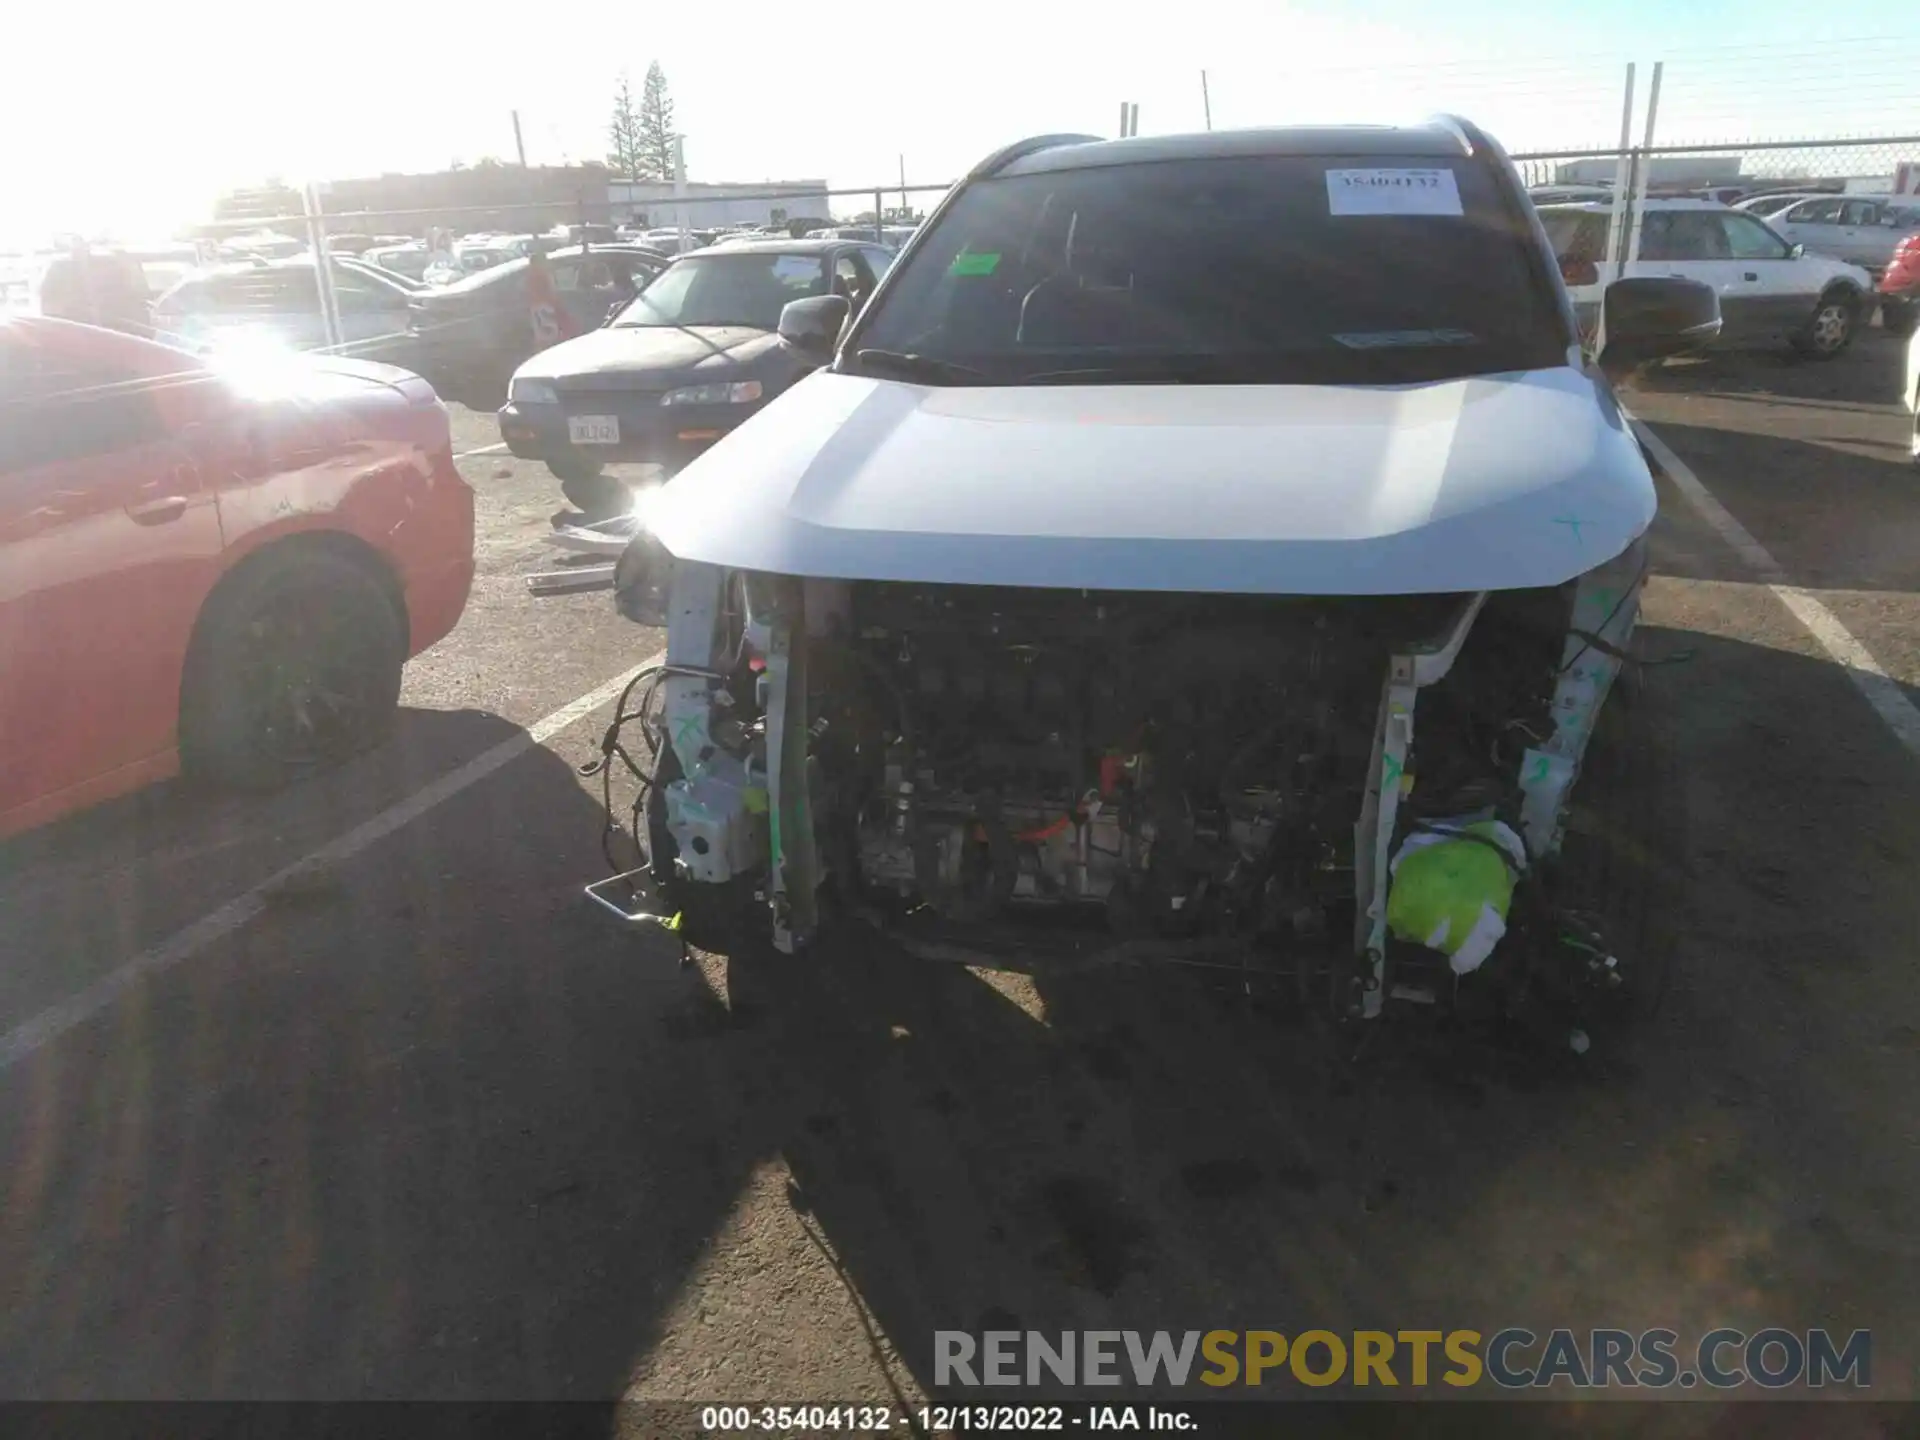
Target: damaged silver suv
(1212, 549)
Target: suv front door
(1779, 290)
(1691, 245)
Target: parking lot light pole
(1622, 183)
(1646, 164)
(680, 190)
(322, 264)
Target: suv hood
(1493, 482)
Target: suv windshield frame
(1499, 254)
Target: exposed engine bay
(1184, 762)
(1205, 774)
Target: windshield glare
(746, 290)
(1256, 268)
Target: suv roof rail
(1470, 135)
(1020, 149)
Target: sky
(133, 128)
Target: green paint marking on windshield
(984, 263)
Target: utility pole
(680, 190)
(519, 145)
(1623, 170)
(903, 187)
(1640, 180)
(1206, 104)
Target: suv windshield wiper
(1168, 374)
(908, 366)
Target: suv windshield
(1276, 269)
(727, 290)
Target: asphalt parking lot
(408, 1121)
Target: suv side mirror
(812, 326)
(1649, 317)
(1797, 252)
(643, 580)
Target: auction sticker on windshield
(1392, 192)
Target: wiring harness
(613, 747)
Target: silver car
(1863, 229)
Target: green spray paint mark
(984, 263)
(1390, 770)
(1542, 768)
(689, 727)
(1573, 523)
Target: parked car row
(692, 356)
(468, 337)
(1772, 290)
(1865, 230)
(217, 561)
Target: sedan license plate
(593, 429)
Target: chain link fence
(1871, 166)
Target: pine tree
(656, 135)
(625, 156)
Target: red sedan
(1900, 287)
(221, 572)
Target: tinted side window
(850, 279)
(358, 293)
(1860, 212)
(1576, 235)
(1815, 212)
(190, 296)
(55, 408)
(1748, 239)
(878, 260)
(276, 289)
(1682, 235)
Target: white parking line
(483, 450)
(1869, 677)
(50, 1024)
